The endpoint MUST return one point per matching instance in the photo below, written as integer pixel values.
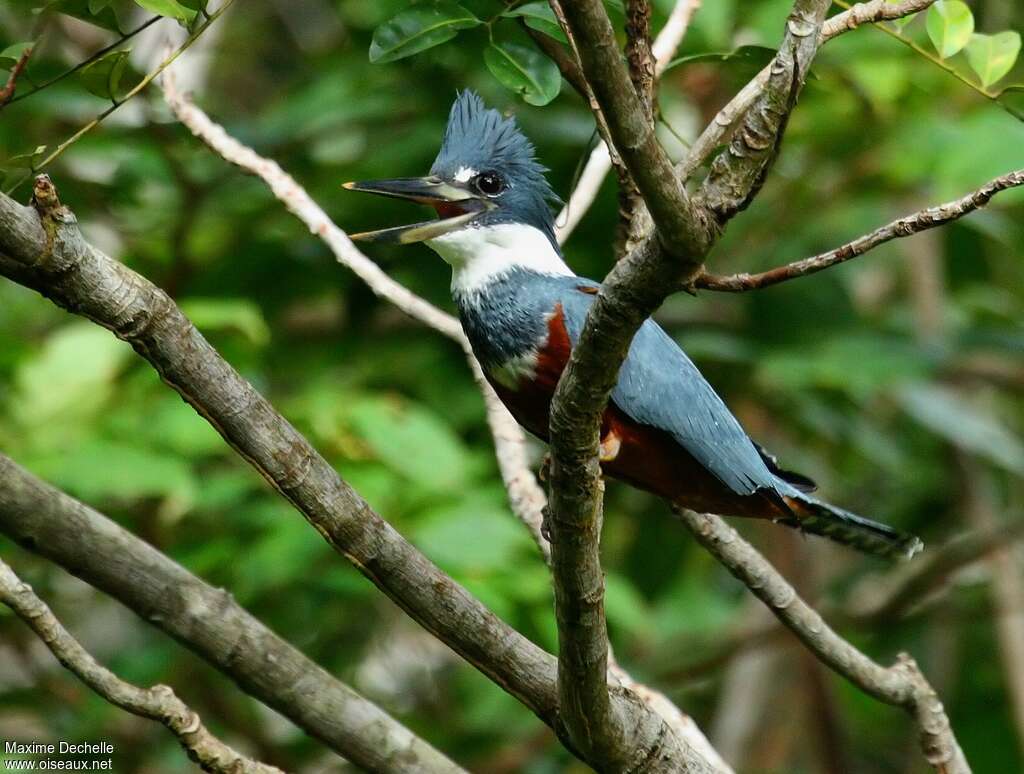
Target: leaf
(10, 55)
(525, 71)
(540, 17)
(103, 76)
(949, 24)
(81, 9)
(96, 6)
(417, 29)
(1012, 100)
(412, 441)
(236, 314)
(961, 423)
(993, 56)
(170, 8)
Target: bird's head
(485, 180)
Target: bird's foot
(610, 446)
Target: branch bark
(724, 123)
(903, 227)
(902, 685)
(158, 703)
(599, 162)
(209, 622)
(7, 91)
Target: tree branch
(903, 227)
(599, 162)
(681, 227)
(724, 123)
(902, 685)
(157, 703)
(510, 443)
(209, 622)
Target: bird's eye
(489, 183)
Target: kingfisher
(665, 430)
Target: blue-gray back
(658, 384)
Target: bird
(665, 429)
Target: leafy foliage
(846, 375)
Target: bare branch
(737, 174)
(208, 621)
(724, 123)
(157, 703)
(639, 55)
(901, 685)
(599, 163)
(681, 227)
(903, 227)
(7, 92)
(510, 442)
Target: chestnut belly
(647, 458)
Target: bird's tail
(820, 518)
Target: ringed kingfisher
(665, 430)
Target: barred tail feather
(820, 518)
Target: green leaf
(10, 55)
(949, 24)
(412, 441)
(81, 9)
(236, 314)
(993, 56)
(540, 17)
(103, 76)
(419, 28)
(170, 8)
(963, 424)
(525, 71)
(97, 6)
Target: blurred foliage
(875, 377)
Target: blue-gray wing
(660, 386)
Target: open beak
(457, 206)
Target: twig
(208, 621)
(639, 55)
(86, 62)
(903, 227)
(63, 146)
(158, 703)
(901, 685)
(725, 121)
(599, 163)
(7, 92)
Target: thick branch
(725, 121)
(157, 703)
(599, 162)
(902, 685)
(903, 227)
(681, 227)
(209, 622)
(737, 175)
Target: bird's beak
(457, 206)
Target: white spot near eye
(465, 174)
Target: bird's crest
(481, 138)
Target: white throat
(479, 256)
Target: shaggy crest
(479, 137)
